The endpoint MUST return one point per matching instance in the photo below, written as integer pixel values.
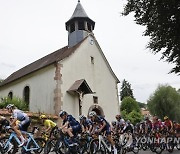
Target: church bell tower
(78, 26)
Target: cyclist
(128, 127)
(3, 123)
(49, 125)
(114, 127)
(120, 122)
(23, 124)
(168, 124)
(86, 124)
(70, 125)
(104, 127)
(148, 125)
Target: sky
(31, 29)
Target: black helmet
(62, 112)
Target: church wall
(98, 76)
(41, 84)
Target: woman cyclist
(23, 124)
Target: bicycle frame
(101, 140)
(26, 147)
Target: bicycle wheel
(95, 149)
(60, 147)
(50, 146)
(12, 148)
(83, 146)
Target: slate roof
(41, 63)
(79, 13)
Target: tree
(162, 21)
(165, 102)
(130, 110)
(126, 90)
(142, 105)
(129, 104)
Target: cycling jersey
(87, 123)
(99, 120)
(49, 123)
(168, 124)
(73, 123)
(23, 118)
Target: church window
(72, 27)
(81, 25)
(95, 99)
(26, 94)
(92, 60)
(89, 26)
(10, 95)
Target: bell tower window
(81, 25)
(89, 26)
(72, 27)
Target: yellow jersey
(49, 123)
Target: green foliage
(129, 104)
(130, 110)
(19, 103)
(134, 117)
(126, 90)
(165, 102)
(161, 19)
(142, 105)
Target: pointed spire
(79, 11)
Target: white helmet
(9, 106)
(81, 117)
(92, 113)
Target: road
(142, 152)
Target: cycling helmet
(9, 106)
(113, 123)
(146, 118)
(43, 116)
(128, 122)
(92, 113)
(118, 116)
(166, 117)
(81, 117)
(62, 113)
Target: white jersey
(19, 115)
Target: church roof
(79, 12)
(41, 63)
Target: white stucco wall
(98, 76)
(41, 84)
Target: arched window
(10, 95)
(26, 95)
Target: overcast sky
(31, 29)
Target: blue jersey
(72, 121)
(87, 123)
(100, 120)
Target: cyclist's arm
(65, 125)
(103, 125)
(13, 123)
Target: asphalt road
(142, 152)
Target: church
(76, 78)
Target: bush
(19, 103)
